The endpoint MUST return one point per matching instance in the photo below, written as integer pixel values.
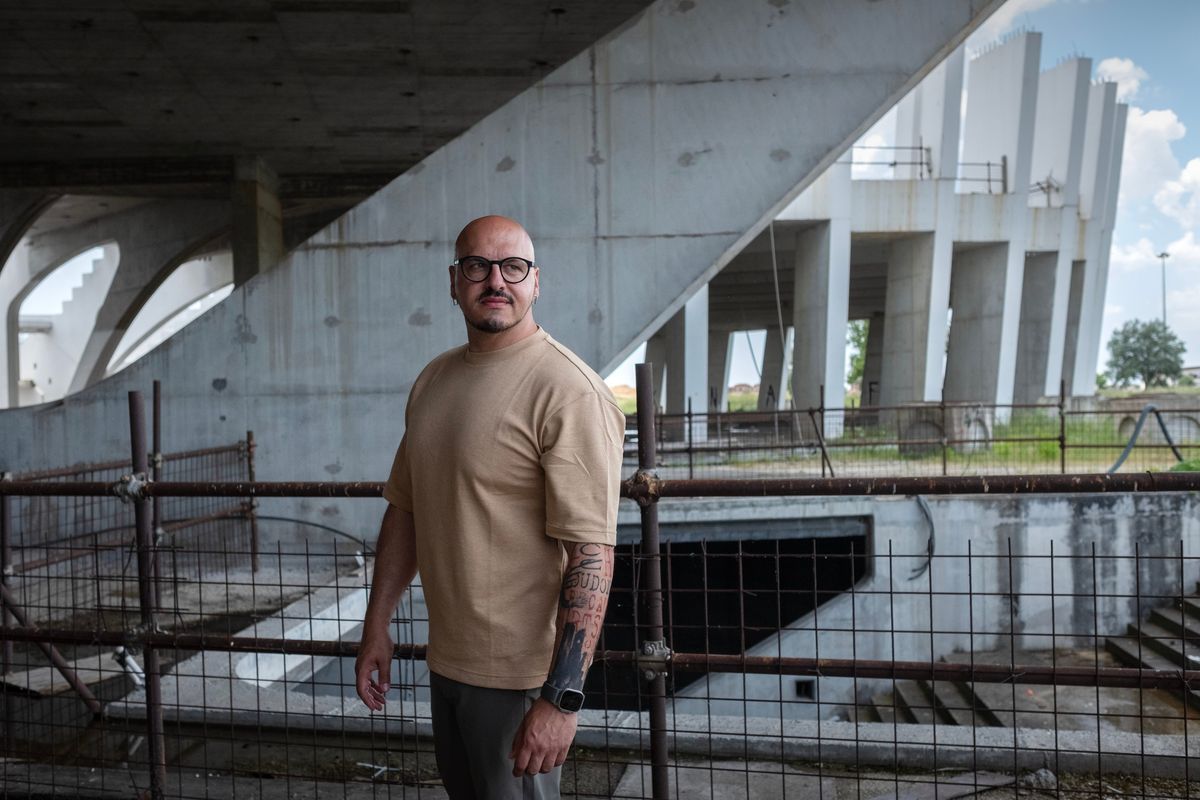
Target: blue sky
(1145, 47)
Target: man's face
(494, 305)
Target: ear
(453, 292)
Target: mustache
(489, 293)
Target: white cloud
(1132, 257)
(1147, 162)
(1179, 199)
(1127, 75)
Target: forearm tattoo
(581, 605)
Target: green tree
(856, 344)
(1145, 351)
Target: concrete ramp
(640, 167)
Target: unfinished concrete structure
(980, 262)
(642, 165)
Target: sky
(1145, 46)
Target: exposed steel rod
(13, 609)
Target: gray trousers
(473, 729)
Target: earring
(454, 301)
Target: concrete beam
(256, 220)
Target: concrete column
(1033, 342)
(907, 322)
(1057, 160)
(872, 380)
(257, 220)
(771, 392)
(656, 357)
(1094, 188)
(977, 296)
(1071, 335)
(821, 305)
(720, 357)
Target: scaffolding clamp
(131, 488)
(653, 659)
(643, 487)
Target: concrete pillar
(1071, 335)
(821, 305)
(1037, 311)
(257, 220)
(977, 296)
(906, 364)
(1058, 158)
(687, 357)
(872, 380)
(1094, 187)
(720, 358)
(656, 357)
(772, 394)
(1001, 129)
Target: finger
(562, 756)
(520, 760)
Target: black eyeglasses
(477, 268)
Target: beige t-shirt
(504, 454)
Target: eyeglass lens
(477, 269)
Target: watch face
(571, 700)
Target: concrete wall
(640, 167)
(995, 550)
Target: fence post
(1062, 427)
(945, 435)
(6, 650)
(251, 503)
(1004, 174)
(653, 641)
(145, 562)
(691, 466)
(156, 475)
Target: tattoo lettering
(582, 604)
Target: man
(503, 494)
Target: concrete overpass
(642, 165)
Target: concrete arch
(18, 211)
(28, 280)
(154, 239)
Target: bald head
(494, 237)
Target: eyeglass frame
(529, 265)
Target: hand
(542, 741)
(373, 669)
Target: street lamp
(1163, 256)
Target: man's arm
(395, 566)
(546, 733)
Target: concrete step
(1164, 642)
(916, 704)
(1179, 623)
(884, 705)
(1191, 606)
(1126, 651)
(957, 704)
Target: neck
(482, 342)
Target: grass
(1192, 465)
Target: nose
(495, 280)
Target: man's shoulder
(568, 373)
(438, 364)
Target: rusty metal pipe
(146, 577)
(13, 608)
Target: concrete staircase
(1168, 640)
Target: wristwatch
(568, 700)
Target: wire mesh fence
(1040, 649)
(924, 439)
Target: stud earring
(454, 301)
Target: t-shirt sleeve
(581, 457)
(398, 489)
